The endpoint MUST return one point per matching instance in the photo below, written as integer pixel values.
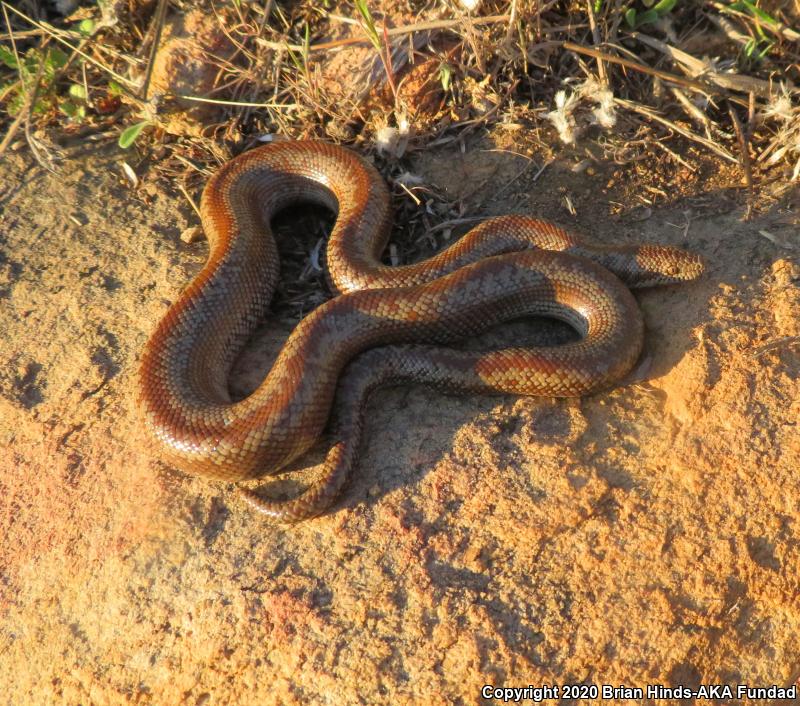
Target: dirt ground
(647, 535)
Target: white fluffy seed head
(562, 117)
(393, 141)
(605, 113)
(780, 106)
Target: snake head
(663, 264)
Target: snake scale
(386, 324)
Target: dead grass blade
(696, 67)
(744, 148)
(636, 66)
(654, 115)
(158, 26)
(394, 32)
(775, 27)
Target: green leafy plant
(759, 45)
(300, 59)
(655, 11)
(750, 8)
(301, 62)
(445, 75)
(369, 24)
(129, 135)
(7, 57)
(37, 72)
(86, 27)
(36, 63)
(383, 48)
(757, 49)
(74, 107)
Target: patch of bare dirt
(645, 535)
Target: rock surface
(648, 535)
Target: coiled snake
(386, 324)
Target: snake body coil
(505, 268)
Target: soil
(647, 535)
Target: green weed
(655, 11)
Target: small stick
(693, 111)
(267, 12)
(190, 200)
(512, 18)
(28, 109)
(675, 156)
(410, 193)
(693, 66)
(201, 170)
(665, 75)
(22, 34)
(601, 67)
(745, 160)
(161, 13)
(14, 46)
(12, 130)
(30, 95)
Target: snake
(385, 324)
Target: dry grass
(410, 75)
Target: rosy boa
(505, 268)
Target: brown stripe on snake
(387, 324)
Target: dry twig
(654, 115)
